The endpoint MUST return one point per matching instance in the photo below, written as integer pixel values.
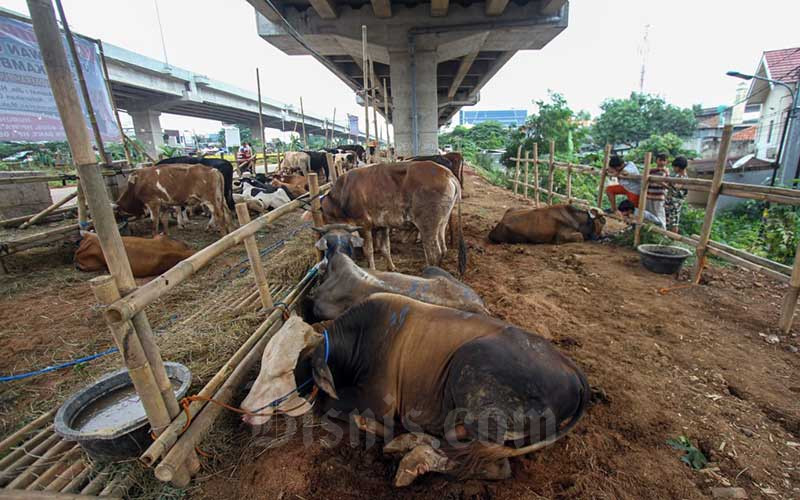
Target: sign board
(352, 121)
(28, 111)
(232, 138)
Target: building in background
(508, 117)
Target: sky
(692, 43)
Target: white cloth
(632, 185)
(650, 217)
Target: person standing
(656, 191)
(676, 195)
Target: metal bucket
(663, 259)
(107, 418)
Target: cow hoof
(406, 442)
(419, 461)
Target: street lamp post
(791, 123)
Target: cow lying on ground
(345, 284)
(472, 389)
(295, 185)
(176, 186)
(148, 257)
(393, 195)
(271, 197)
(224, 167)
(555, 224)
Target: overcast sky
(692, 43)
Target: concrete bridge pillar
(147, 127)
(403, 87)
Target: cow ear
(321, 372)
(321, 244)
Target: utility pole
(644, 49)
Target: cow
(295, 162)
(344, 161)
(470, 390)
(148, 257)
(176, 186)
(554, 224)
(356, 148)
(345, 284)
(453, 162)
(394, 195)
(295, 185)
(224, 167)
(318, 163)
(269, 196)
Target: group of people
(664, 201)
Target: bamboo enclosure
(703, 243)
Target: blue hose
(20, 376)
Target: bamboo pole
(205, 418)
(603, 172)
(96, 484)
(66, 476)
(333, 127)
(527, 161)
(790, 299)
(48, 210)
(98, 138)
(551, 170)
(775, 266)
(386, 116)
(83, 209)
(76, 480)
(536, 172)
(711, 204)
(637, 238)
(372, 86)
(29, 474)
(164, 442)
(131, 304)
(261, 123)
(25, 453)
(516, 170)
(46, 477)
(316, 206)
(569, 184)
(125, 147)
(256, 265)
(18, 436)
(303, 117)
(366, 85)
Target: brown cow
(297, 185)
(393, 195)
(176, 185)
(148, 257)
(556, 224)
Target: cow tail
(462, 246)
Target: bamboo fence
(702, 243)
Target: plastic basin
(663, 259)
(107, 418)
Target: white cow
(268, 196)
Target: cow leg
(368, 248)
(370, 425)
(408, 441)
(419, 461)
(385, 246)
(442, 239)
(568, 236)
(155, 215)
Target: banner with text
(28, 111)
(352, 120)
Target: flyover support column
(148, 130)
(404, 87)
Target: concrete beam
(325, 8)
(466, 63)
(382, 8)
(495, 7)
(550, 7)
(262, 8)
(439, 7)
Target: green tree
(668, 143)
(632, 120)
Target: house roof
(782, 64)
(705, 168)
(745, 135)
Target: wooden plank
(382, 8)
(516, 171)
(325, 8)
(439, 7)
(495, 7)
(42, 495)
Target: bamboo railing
(702, 243)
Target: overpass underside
(435, 56)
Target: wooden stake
(536, 172)
(386, 115)
(333, 127)
(316, 206)
(49, 209)
(125, 147)
(255, 258)
(373, 86)
(601, 190)
(303, 117)
(98, 138)
(366, 85)
(261, 124)
(711, 204)
(790, 299)
(569, 184)
(637, 238)
(516, 170)
(527, 160)
(552, 169)
(83, 210)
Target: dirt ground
(692, 362)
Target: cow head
(331, 211)
(595, 223)
(338, 238)
(289, 370)
(128, 202)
